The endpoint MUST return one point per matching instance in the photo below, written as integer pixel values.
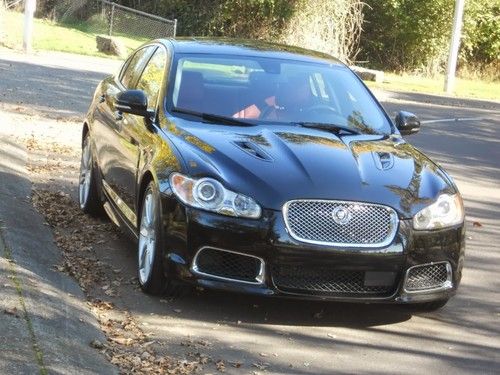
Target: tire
(431, 306)
(154, 277)
(88, 185)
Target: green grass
(73, 38)
(464, 88)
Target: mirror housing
(407, 123)
(134, 102)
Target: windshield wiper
(214, 119)
(327, 126)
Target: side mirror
(134, 102)
(407, 123)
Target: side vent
(253, 149)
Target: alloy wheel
(147, 238)
(85, 174)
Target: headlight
(209, 194)
(448, 210)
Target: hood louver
(253, 149)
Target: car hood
(275, 163)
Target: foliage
(402, 35)
(407, 34)
(414, 34)
(481, 34)
(329, 26)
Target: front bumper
(188, 230)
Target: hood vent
(383, 160)
(253, 149)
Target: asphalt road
(283, 336)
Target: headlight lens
(209, 194)
(447, 211)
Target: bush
(407, 34)
(414, 35)
(481, 36)
(333, 27)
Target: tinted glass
(136, 62)
(276, 91)
(151, 78)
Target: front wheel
(153, 277)
(88, 188)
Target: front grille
(325, 281)
(430, 276)
(315, 221)
(228, 265)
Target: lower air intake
(428, 276)
(228, 265)
(326, 281)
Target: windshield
(275, 91)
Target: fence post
(29, 11)
(112, 16)
(175, 27)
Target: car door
(113, 138)
(136, 137)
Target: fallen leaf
(96, 344)
(260, 366)
(11, 311)
(122, 340)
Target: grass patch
(73, 38)
(464, 88)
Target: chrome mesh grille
(313, 221)
(427, 277)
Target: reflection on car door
(113, 138)
(136, 139)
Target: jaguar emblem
(341, 215)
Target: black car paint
(296, 162)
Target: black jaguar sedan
(271, 170)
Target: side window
(151, 78)
(136, 62)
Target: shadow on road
(56, 92)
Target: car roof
(244, 47)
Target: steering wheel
(321, 108)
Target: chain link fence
(79, 22)
(105, 17)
